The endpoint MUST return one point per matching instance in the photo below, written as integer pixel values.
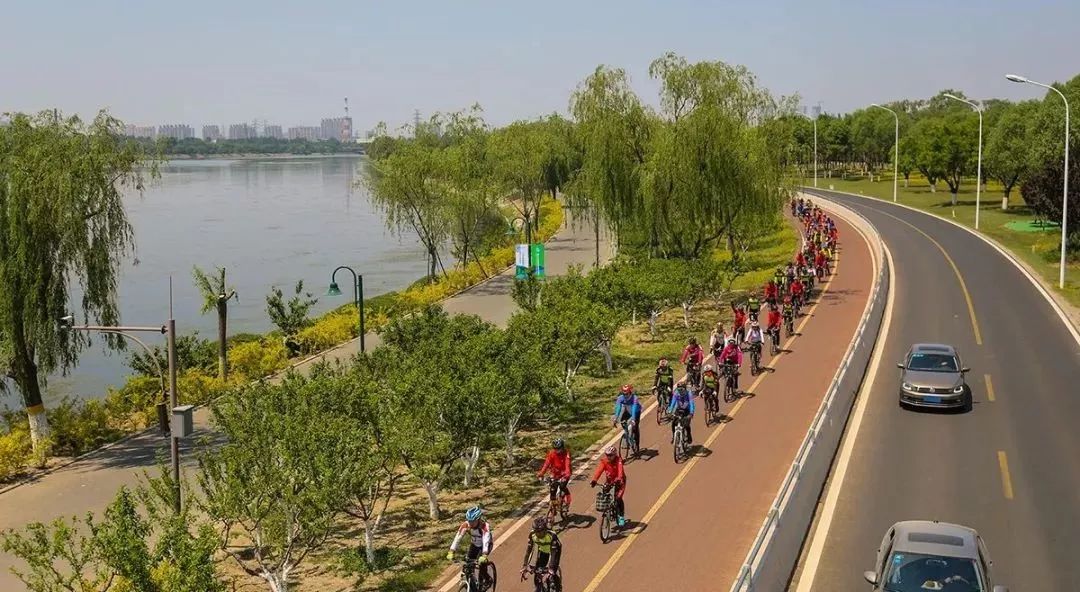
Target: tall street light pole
(358, 296)
(813, 119)
(1065, 191)
(978, 178)
(169, 330)
(896, 152)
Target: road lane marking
(956, 270)
(1006, 478)
(989, 388)
(632, 536)
(836, 482)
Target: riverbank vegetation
(390, 446)
(196, 148)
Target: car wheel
(968, 401)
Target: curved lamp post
(978, 178)
(358, 295)
(1065, 190)
(896, 153)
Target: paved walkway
(89, 484)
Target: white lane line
(817, 544)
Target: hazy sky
(292, 62)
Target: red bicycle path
(691, 524)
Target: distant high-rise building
(140, 131)
(178, 132)
(336, 128)
(273, 131)
(211, 133)
(241, 131)
(304, 132)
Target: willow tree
(475, 224)
(518, 158)
(62, 222)
(408, 184)
(216, 295)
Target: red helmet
(627, 389)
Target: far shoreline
(256, 156)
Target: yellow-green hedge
(14, 451)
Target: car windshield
(929, 362)
(914, 572)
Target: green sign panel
(536, 258)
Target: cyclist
(681, 409)
(787, 311)
(738, 326)
(693, 355)
(753, 306)
(664, 378)
(548, 550)
(710, 379)
(480, 538)
(772, 290)
(611, 466)
(798, 291)
(755, 338)
(628, 408)
(778, 278)
(558, 463)
(773, 326)
(717, 338)
(800, 259)
(732, 356)
(819, 263)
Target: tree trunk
(471, 458)
(605, 350)
(25, 373)
(906, 179)
(731, 244)
(933, 187)
(653, 314)
(568, 381)
(509, 437)
(369, 543)
(432, 489)
(1005, 198)
(222, 335)
(953, 193)
(686, 306)
(279, 582)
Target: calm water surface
(270, 223)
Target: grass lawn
(1039, 248)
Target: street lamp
(896, 153)
(1065, 191)
(978, 179)
(813, 119)
(169, 330)
(358, 295)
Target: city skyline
(227, 68)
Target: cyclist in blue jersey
(681, 409)
(628, 407)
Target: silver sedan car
(919, 555)
(933, 376)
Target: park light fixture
(896, 151)
(1065, 189)
(978, 178)
(334, 290)
(358, 296)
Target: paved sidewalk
(90, 483)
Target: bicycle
(730, 392)
(627, 443)
(605, 505)
(693, 373)
(549, 581)
(556, 507)
(755, 358)
(678, 449)
(712, 404)
(663, 399)
(789, 324)
(469, 581)
(774, 341)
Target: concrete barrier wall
(775, 551)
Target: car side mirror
(900, 365)
(1001, 589)
(965, 370)
(872, 577)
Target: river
(269, 223)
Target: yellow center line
(956, 270)
(1006, 479)
(989, 388)
(631, 537)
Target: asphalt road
(691, 524)
(1010, 468)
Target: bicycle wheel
(605, 525)
(677, 449)
(661, 409)
(553, 509)
(729, 391)
(494, 578)
(624, 445)
(464, 586)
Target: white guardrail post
(750, 573)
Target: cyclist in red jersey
(611, 467)
(558, 463)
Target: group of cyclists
(782, 297)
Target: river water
(269, 223)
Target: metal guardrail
(776, 548)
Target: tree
(929, 151)
(907, 162)
(1007, 156)
(475, 224)
(216, 294)
(290, 317)
(275, 487)
(959, 145)
(872, 137)
(1042, 191)
(518, 157)
(62, 222)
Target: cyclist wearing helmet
(692, 353)
(754, 337)
(732, 356)
(774, 321)
(627, 408)
(548, 549)
(479, 537)
(753, 306)
(681, 409)
(738, 327)
(717, 338)
(772, 291)
(611, 466)
(558, 462)
(778, 278)
(664, 376)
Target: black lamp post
(358, 295)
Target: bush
(256, 359)
(81, 426)
(14, 450)
(133, 406)
(329, 330)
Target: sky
(292, 63)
